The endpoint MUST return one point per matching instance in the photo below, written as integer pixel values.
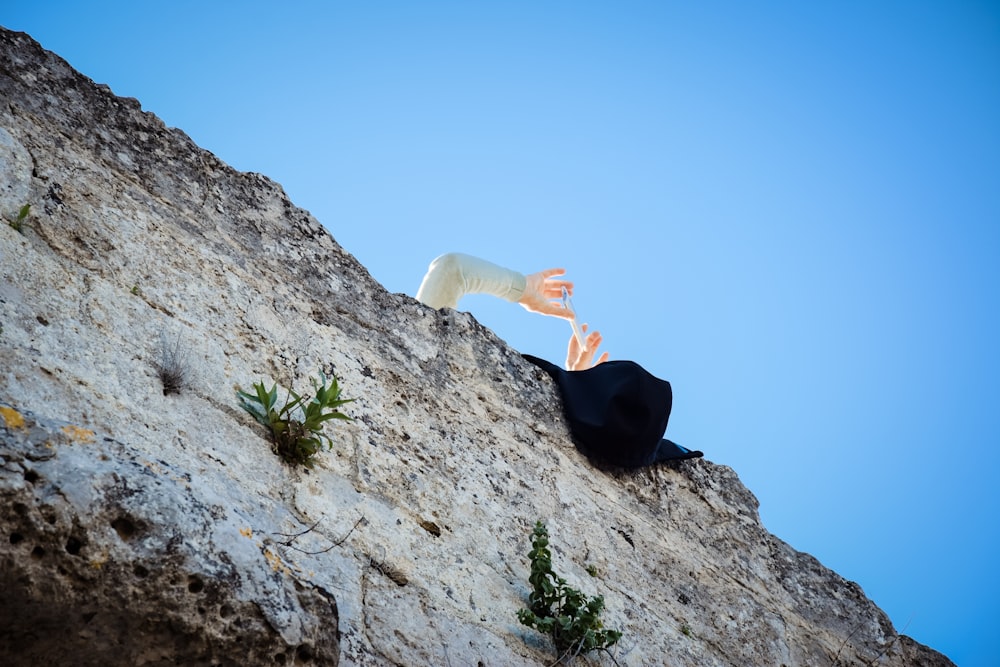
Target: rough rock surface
(140, 528)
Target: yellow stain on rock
(78, 434)
(275, 561)
(246, 532)
(11, 417)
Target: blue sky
(789, 210)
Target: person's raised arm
(453, 275)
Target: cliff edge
(150, 528)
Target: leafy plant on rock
(297, 426)
(18, 223)
(568, 616)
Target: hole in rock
(304, 653)
(37, 552)
(195, 585)
(140, 571)
(431, 527)
(73, 546)
(16, 537)
(226, 611)
(30, 476)
(279, 659)
(124, 528)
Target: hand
(580, 360)
(541, 288)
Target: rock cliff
(144, 527)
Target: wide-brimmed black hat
(617, 412)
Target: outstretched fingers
(549, 273)
(578, 359)
(551, 287)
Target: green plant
(297, 426)
(18, 222)
(565, 614)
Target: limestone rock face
(148, 528)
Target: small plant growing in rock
(172, 366)
(18, 223)
(297, 426)
(565, 614)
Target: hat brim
(630, 438)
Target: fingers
(548, 273)
(581, 360)
(573, 349)
(572, 353)
(586, 359)
(593, 340)
(545, 285)
(575, 346)
(552, 308)
(553, 289)
(558, 310)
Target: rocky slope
(144, 528)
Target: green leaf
(568, 616)
(296, 441)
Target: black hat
(617, 412)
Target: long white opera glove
(453, 275)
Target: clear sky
(790, 210)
